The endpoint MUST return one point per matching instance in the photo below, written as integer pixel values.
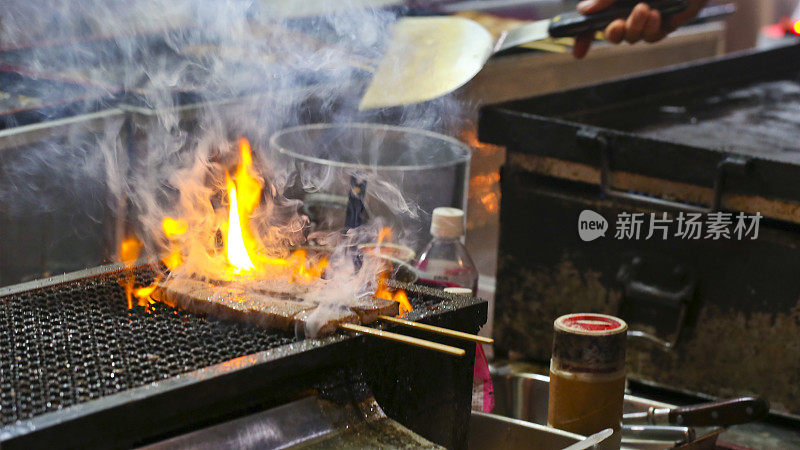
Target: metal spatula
(432, 56)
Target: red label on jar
(592, 322)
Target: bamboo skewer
(454, 351)
(439, 330)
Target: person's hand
(644, 23)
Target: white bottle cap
(447, 223)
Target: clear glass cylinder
(408, 173)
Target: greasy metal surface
(759, 118)
(491, 431)
(73, 342)
(384, 434)
(307, 423)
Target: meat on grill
(275, 311)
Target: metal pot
(408, 173)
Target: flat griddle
(713, 134)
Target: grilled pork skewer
(267, 311)
(230, 303)
(278, 312)
(416, 342)
(369, 309)
(438, 330)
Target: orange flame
(128, 253)
(244, 195)
(173, 228)
(129, 250)
(385, 234)
(383, 290)
(173, 259)
(400, 297)
(470, 136)
(237, 253)
(491, 202)
(303, 269)
(142, 294)
(243, 253)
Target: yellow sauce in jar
(585, 403)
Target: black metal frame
(554, 118)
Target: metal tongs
(721, 414)
(676, 425)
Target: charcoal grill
(81, 370)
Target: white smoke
(195, 76)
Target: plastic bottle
(445, 261)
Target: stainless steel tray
(492, 431)
(523, 396)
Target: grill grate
(70, 343)
(73, 342)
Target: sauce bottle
(587, 375)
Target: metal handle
(638, 295)
(647, 337)
(574, 24)
(668, 433)
(728, 164)
(724, 413)
(655, 294)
